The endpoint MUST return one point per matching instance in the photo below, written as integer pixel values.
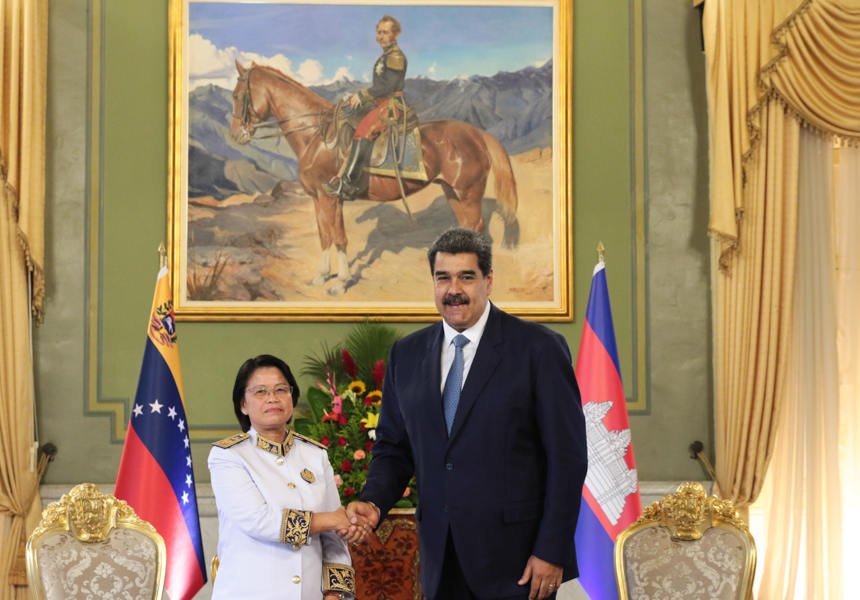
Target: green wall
(75, 386)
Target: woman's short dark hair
(246, 370)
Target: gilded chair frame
(687, 514)
(90, 516)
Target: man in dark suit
(484, 409)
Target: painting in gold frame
(253, 235)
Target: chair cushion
(659, 567)
(121, 568)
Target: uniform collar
(274, 448)
(390, 48)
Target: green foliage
(344, 411)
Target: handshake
(358, 520)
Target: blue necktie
(451, 393)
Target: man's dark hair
(246, 370)
(460, 240)
(395, 24)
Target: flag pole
(162, 256)
(600, 251)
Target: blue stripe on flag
(594, 553)
(599, 316)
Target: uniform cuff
(296, 527)
(365, 95)
(338, 578)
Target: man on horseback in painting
(383, 104)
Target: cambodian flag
(155, 475)
(611, 491)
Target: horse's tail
(506, 189)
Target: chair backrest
(92, 545)
(684, 546)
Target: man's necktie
(451, 393)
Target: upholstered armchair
(92, 545)
(686, 546)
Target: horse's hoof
(318, 280)
(338, 288)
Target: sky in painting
(321, 43)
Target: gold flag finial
(162, 256)
(600, 251)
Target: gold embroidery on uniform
(308, 476)
(338, 578)
(273, 448)
(296, 526)
(232, 440)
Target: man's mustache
(455, 299)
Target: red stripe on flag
(599, 381)
(148, 491)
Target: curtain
(783, 84)
(22, 169)
(772, 67)
(804, 520)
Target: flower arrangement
(345, 404)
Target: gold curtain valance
(816, 71)
(805, 54)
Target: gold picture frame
(243, 231)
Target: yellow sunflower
(357, 387)
(375, 397)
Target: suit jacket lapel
(484, 364)
(431, 376)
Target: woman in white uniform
(278, 507)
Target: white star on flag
(184, 497)
(188, 460)
(138, 410)
(186, 441)
(188, 480)
(181, 425)
(156, 407)
(171, 413)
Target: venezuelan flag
(611, 491)
(155, 475)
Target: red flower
(348, 492)
(365, 467)
(378, 372)
(325, 441)
(341, 440)
(346, 466)
(368, 401)
(362, 427)
(341, 419)
(368, 445)
(348, 364)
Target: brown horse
(457, 156)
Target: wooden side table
(386, 566)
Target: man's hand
(354, 101)
(364, 516)
(545, 577)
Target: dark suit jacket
(508, 481)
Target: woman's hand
(338, 520)
(352, 531)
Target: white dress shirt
(474, 334)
